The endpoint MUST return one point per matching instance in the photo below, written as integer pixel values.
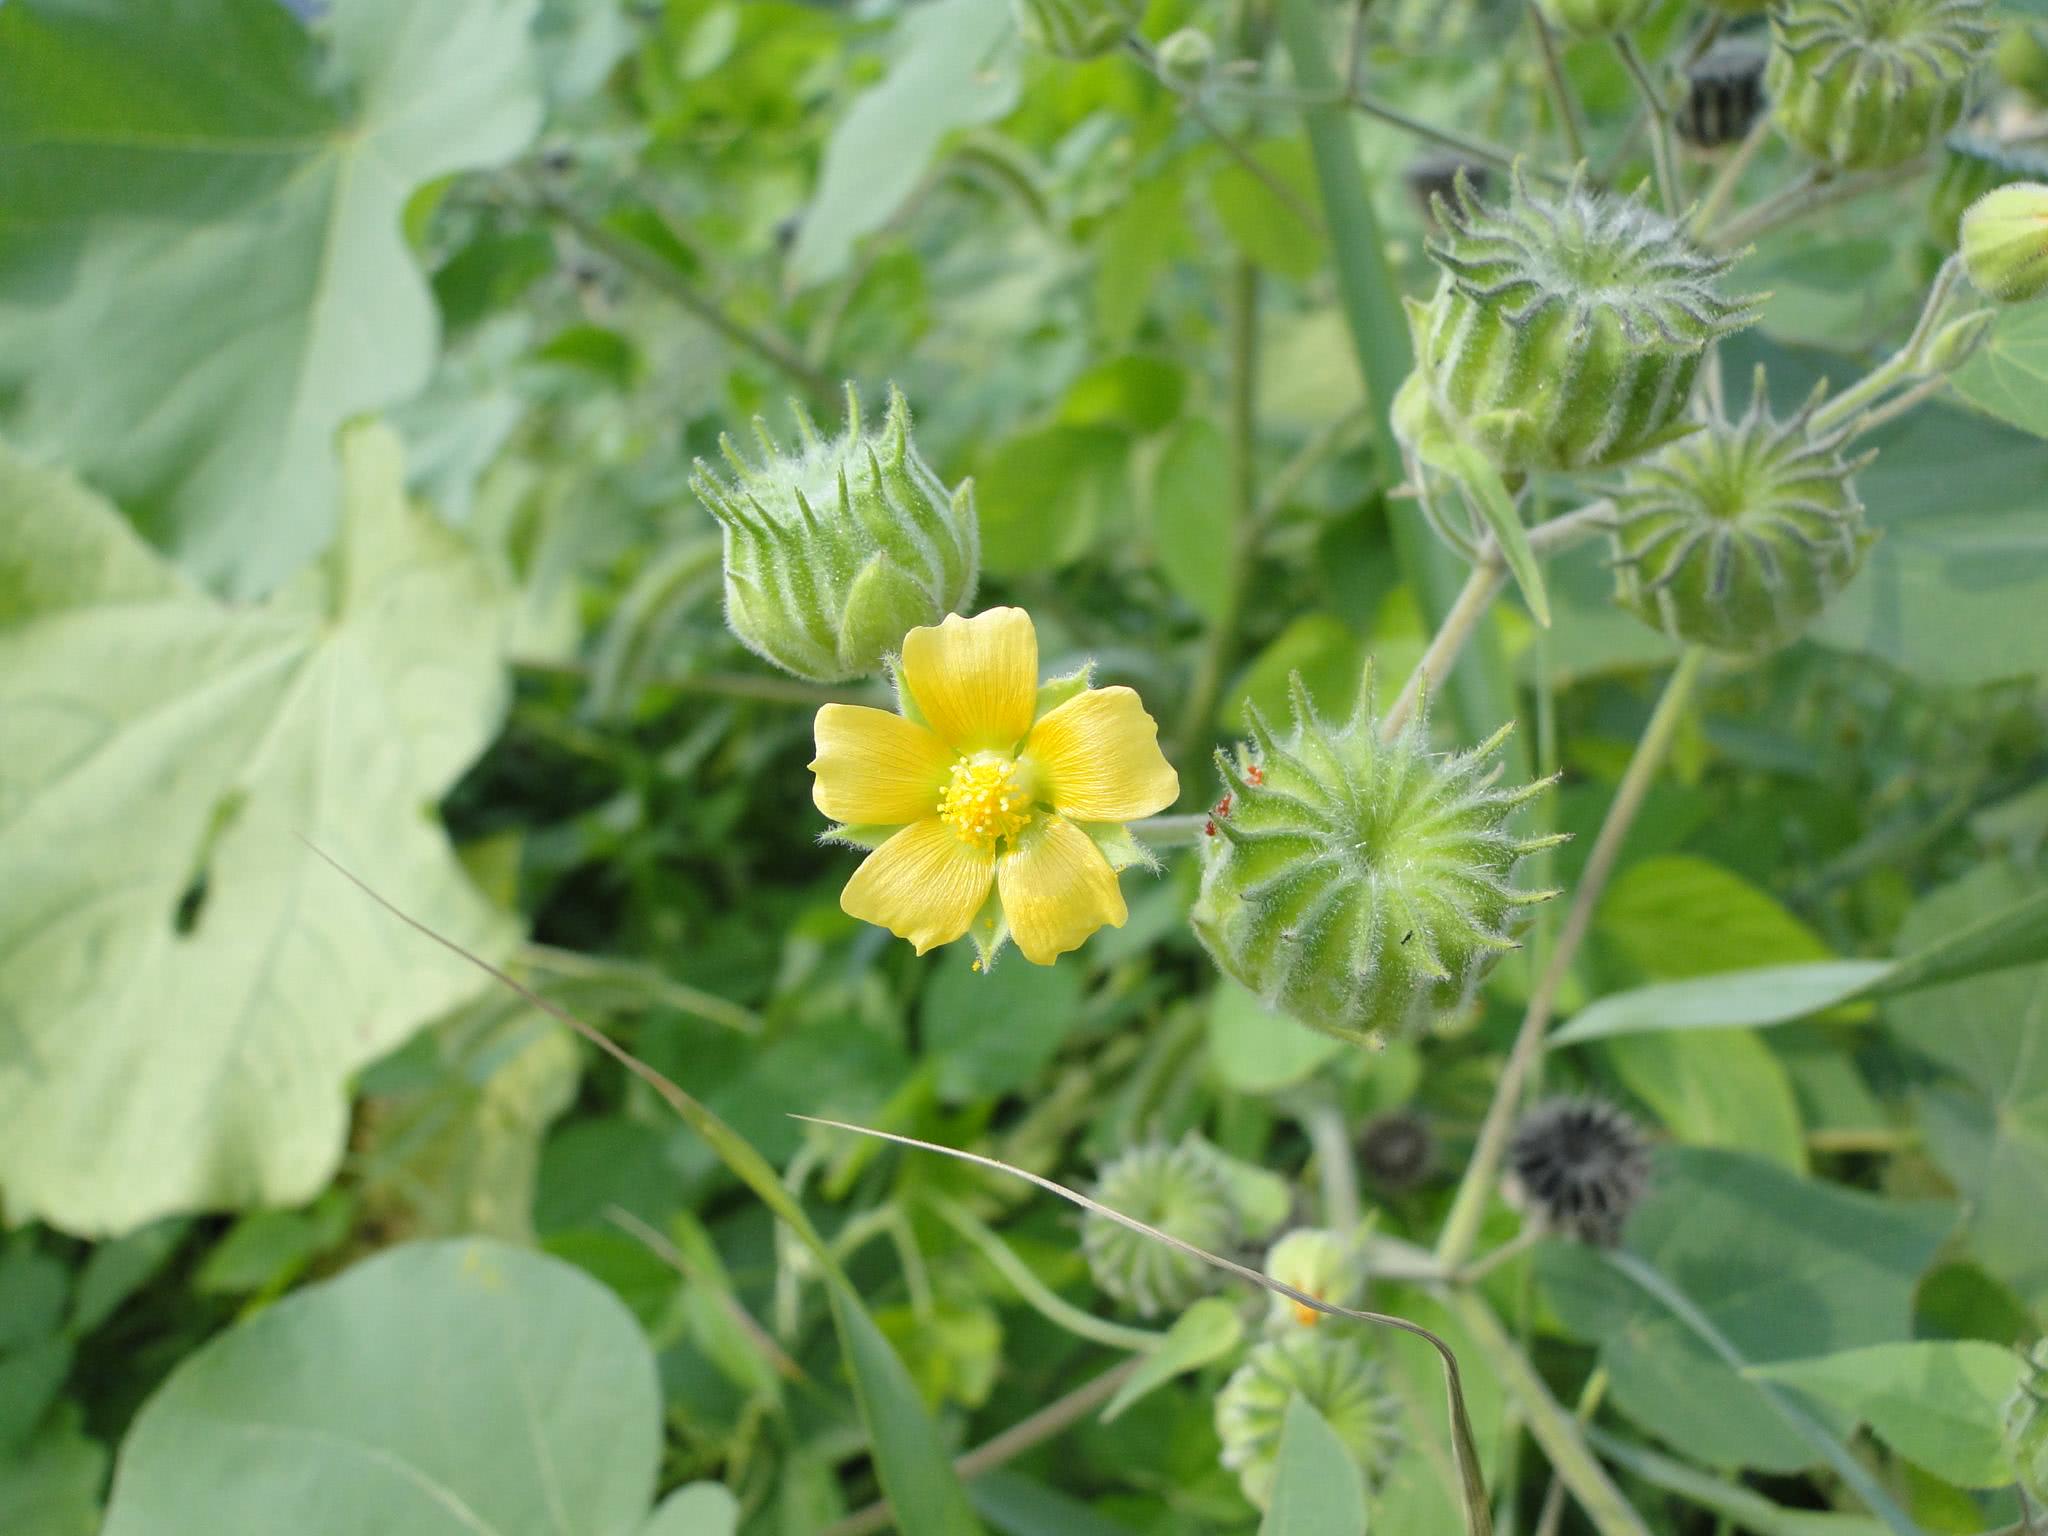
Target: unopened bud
(2004, 243)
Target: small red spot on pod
(1208, 829)
(1256, 774)
(1223, 806)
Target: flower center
(984, 801)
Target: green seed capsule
(1356, 883)
(1862, 84)
(1329, 1371)
(1738, 537)
(834, 552)
(1566, 329)
(1178, 1189)
(2004, 243)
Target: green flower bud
(1075, 29)
(1868, 83)
(1957, 342)
(2026, 1426)
(1724, 94)
(1357, 883)
(1334, 1376)
(1595, 18)
(2023, 58)
(1186, 57)
(1971, 167)
(2004, 243)
(1320, 1263)
(835, 552)
(1566, 329)
(1181, 1191)
(1738, 537)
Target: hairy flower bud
(1180, 1190)
(835, 551)
(1186, 57)
(1567, 327)
(1581, 1166)
(1075, 29)
(1739, 536)
(2026, 1425)
(1329, 1266)
(1332, 1374)
(1869, 83)
(1358, 883)
(1595, 18)
(1970, 167)
(2004, 243)
(1724, 94)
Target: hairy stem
(1469, 1206)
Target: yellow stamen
(1308, 1317)
(983, 802)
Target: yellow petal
(1057, 889)
(924, 885)
(976, 680)
(1098, 758)
(875, 768)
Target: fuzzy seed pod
(1334, 1376)
(1178, 1189)
(2026, 1425)
(1397, 1150)
(2023, 58)
(1075, 29)
(1972, 167)
(1724, 94)
(1324, 1264)
(2004, 243)
(1186, 57)
(836, 551)
(1738, 537)
(1566, 329)
(1595, 18)
(1862, 84)
(1358, 883)
(1580, 1166)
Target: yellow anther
(984, 803)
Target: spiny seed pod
(1724, 94)
(1580, 1166)
(2023, 58)
(1186, 57)
(1177, 1189)
(1334, 1376)
(1566, 329)
(1739, 536)
(1397, 1151)
(1317, 1262)
(1595, 18)
(1357, 883)
(2026, 1425)
(836, 551)
(2004, 243)
(1869, 83)
(1971, 167)
(1075, 29)
(1434, 174)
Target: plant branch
(1725, 181)
(1662, 155)
(1469, 1205)
(1042, 1299)
(1812, 192)
(1560, 87)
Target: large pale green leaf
(1990, 1136)
(1940, 1403)
(202, 272)
(2009, 375)
(184, 988)
(1782, 1267)
(696, 1509)
(440, 1389)
(952, 70)
(1317, 1489)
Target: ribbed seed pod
(1180, 1190)
(1581, 1166)
(2004, 243)
(1724, 94)
(1566, 329)
(1318, 1262)
(1335, 1377)
(1595, 18)
(836, 551)
(1075, 29)
(1358, 883)
(1739, 536)
(1868, 83)
(2026, 1425)
(1972, 167)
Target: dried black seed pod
(1397, 1150)
(1580, 1165)
(1724, 94)
(1434, 174)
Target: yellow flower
(1006, 795)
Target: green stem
(1811, 193)
(1168, 831)
(1469, 1205)
(1560, 87)
(645, 982)
(1730, 176)
(1552, 1515)
(1902, 365)
(1036, 1293)
(1662, 154)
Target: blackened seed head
(1582, 1166)
(1397, 1150)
